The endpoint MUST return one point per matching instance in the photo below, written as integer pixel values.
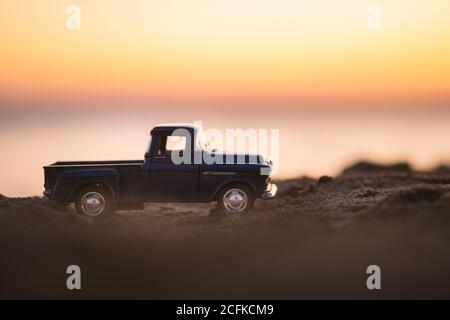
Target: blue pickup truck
(100, 187)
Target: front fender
(233, 180)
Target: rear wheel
(236, 199)
(93, 202)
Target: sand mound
(424, 202)
(416, 194)
(365, 167)
(315, 240)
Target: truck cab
(179, 166)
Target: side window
(169, 144)
(175, 143)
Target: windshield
(147, 150)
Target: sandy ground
(314, 240)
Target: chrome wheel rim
(235, 200)
(92, 204)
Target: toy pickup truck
(100, 187)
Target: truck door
(171, 181)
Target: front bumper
(270, 192)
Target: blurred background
(338, 90)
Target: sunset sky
(207, 50)
(337, 91)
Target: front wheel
(236, 199)
(93, 202)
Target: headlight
(261, 159)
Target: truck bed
(95, 163)
(128, 184)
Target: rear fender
(71, 181)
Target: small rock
(324, 179)
(292, 192)
(215, 211)
(310, 187)
(367, 193)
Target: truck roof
(165, 126)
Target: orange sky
(206, 50)
(166, 57)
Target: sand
(314, 240)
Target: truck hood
(236, 158)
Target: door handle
(218, 173)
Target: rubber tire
(109, 205)
(248, 192)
